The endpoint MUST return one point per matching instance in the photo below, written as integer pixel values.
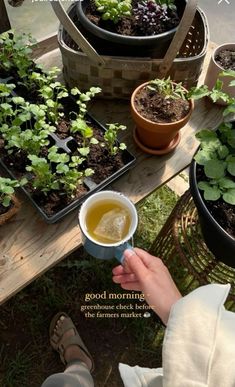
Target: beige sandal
(61, 344)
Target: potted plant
(212, 184)
(9, 204)
(222, 63)
(160, 108)
(212, 181)
(130, 27)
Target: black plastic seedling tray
(91, 186)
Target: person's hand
(144, 272)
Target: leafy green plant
(217, 156)
(84, 98)
(7, 189)
(80, 125)
(52, 95)
(25, 127)
(58, 173)
(69, 175)
(44, 179)
(168, 88)
(167, 3)
(110, 138)
(217, 152)
(114, 9)
(15, 51)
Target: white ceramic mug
(107, 250)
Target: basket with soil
(212, 184)
(118, 76)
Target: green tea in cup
(108, 221)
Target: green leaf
(89, 172)
(203, 185)
(94, 141)
(226, 182)
(229, 196)
(122, 146)
(228, 73)
(212, 193)
(231, 138)
(231, 165)
(84, 151)
(198, 92)
(230, 109)
(203, 156)
(223, 151)
(62, 168)
(6, 201)
(215, 169)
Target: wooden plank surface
(29, 247)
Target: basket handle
(75, 34)
(179, 37)
(176, 43)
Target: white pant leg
(75, 375)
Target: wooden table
(29, 247)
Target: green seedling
(110, 138)
(15, 52)
(84, 98)
(7, 189)
(114, 10)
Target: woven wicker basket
(119, 76)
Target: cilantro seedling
(110, 138)
(7, 189)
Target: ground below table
(180, 244)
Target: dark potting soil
(132, 26)
(223, 212)
(226, 59)
(3, 209)
(155, 107)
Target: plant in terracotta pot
(160, 108)
(222, 66)
(9, 204)
(121, 27)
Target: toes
(58, 332)
(59, 325)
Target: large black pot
(110, 43)
(219, 242)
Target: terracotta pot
(214, 69)
(11, 212)
(157, 135)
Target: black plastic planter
(91, 186)
(219, 242)
(110, 43)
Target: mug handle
(119, 250)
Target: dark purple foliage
(153, 19)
